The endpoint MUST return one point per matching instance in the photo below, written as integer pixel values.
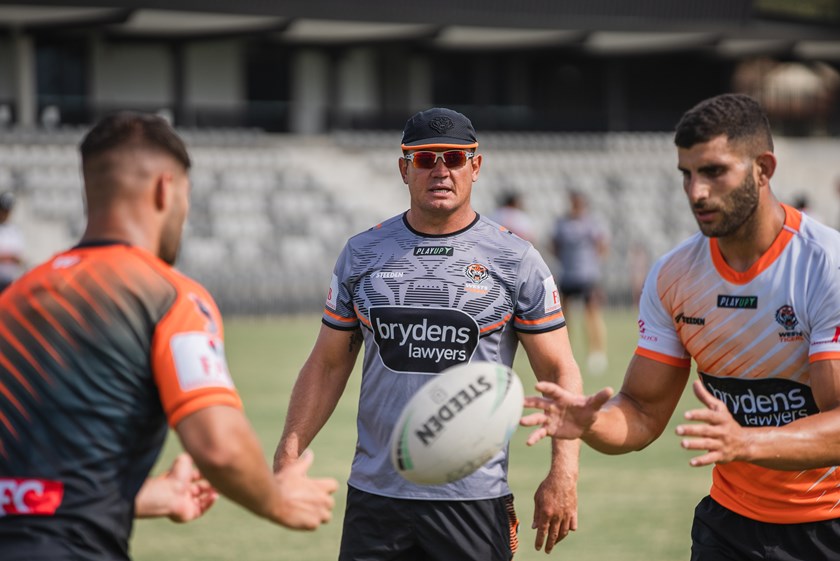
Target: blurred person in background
(754, 299)
(803, 204)
(512, 215)
(11, 243)
(104, 345)
(412, 282)
(800, 203)
(581, 243)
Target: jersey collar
(793, 220)
(448, 235)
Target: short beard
(736, 210)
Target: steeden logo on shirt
(688, 320)
(387, 275)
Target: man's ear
(476, 166)
(163, 191)
(403, 169)
(766, 167)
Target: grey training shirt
(426, 303)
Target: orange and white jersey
(753, 335)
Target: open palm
(564, 414)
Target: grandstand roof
(728, 28)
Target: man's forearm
(313, 400)
(228, 453)
(565, 456)
(621, 427)
(811, 442)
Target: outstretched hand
(564, 415)
(717, 431)
(306, 502)
(181, 493)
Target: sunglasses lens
(452, 159)
(424, 160)
(455, 158)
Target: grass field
(635, 507)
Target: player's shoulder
(183, 284)
(126, 264)
(187, 293)
(819, 236)
(685, 256)
(689, 249)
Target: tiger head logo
(476, 272)
(786, 317)
(441, 124)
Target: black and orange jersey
(99, 348)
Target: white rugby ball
(456, 422)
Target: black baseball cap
(438, 127)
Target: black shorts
(587, 291)
(718, 534)
(378, 528)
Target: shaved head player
(104, 345)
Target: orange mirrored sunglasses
(452, 159)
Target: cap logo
(441, 124)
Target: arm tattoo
(355, 340)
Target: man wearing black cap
(436, 286)
(11, 243)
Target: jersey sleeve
(537, 307)
(658, 338)
(338, 310)
(188, 356)
(824, 301)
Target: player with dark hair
(754, 299)
(512, 215)
(436, 286)
(104, 344)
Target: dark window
(61, 74)
(267, 79)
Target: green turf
(632, 507)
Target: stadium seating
(270, 213)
